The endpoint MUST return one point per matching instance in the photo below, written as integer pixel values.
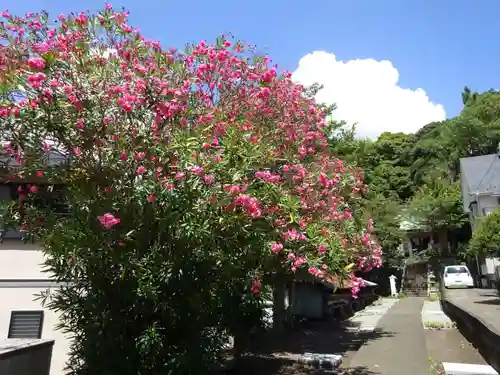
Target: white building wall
(21, 298)
(486, 204)
(21, 261)
(21, 278)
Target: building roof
(329, 280)
(408, 223)
(481, 173)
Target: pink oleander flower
(209, 179)
(108, 220)
(36, 63)
(80, 124)
(197, 169)
(322, 249)
(276, 247)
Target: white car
(457, 276)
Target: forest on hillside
(417, 176)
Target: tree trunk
(443, 242)
(279, 313)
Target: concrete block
(467, 369)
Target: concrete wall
(482, 336)
(25, 357)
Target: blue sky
(439, 46)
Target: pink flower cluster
(357, 283)
(36, 63)
(250, 204)
(108, 220)
(294, 235)
(276, 247)
(296, 261)
(268, 177)
(36, 80)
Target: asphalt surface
(450, 346)
(401, 346)
(482, 303)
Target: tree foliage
(437, 206)
(486, 239)
(419, 173)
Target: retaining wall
(475, 331)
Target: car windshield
(456, 270)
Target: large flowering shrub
(190, 177)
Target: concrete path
(399, 346)
(367, 319)
(433, 316)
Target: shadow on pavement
(323, 337)
(492, 301)
(273, 356)
(490, 294)
(274, 366)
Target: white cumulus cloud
(366, 92)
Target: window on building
(25, 325)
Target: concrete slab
(366, 320)
(467, 369)
(433, 316)
(10, 345)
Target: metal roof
(482, 173)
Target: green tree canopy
(486, 239)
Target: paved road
(401, 346)
(450, 346)
(482, 303)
